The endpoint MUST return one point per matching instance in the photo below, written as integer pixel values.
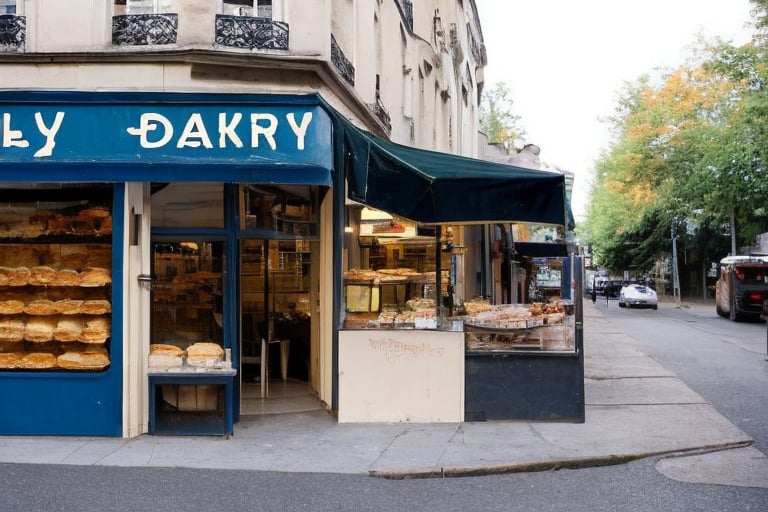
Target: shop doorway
(275, 326)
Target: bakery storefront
(172, 262)
(426, 336)
(156, 258)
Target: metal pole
(675, 276)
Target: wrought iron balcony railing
(407, 8)
(251, 32)
(13, 32)
(382, 113)
(341, 62)
(144, 29)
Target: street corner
(743, 466)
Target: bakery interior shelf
(55, 307)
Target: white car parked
(638, 295)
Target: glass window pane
(179, 205)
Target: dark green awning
(434, 188)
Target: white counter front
(398, 375)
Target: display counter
(414, 362)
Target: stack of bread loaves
(163, 356)
(204, 354)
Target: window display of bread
(66, 277)
(68, 329)
(95, 276)
(96, 330)
(204, 354)
(95, 307)
(11, 307)
(79, 357)
(163, 356)
(68, 306)
(41, 275)
(40, 307)
(11, 329)
(39, 329)
(38, 360)
(10, 359)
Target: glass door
(274, 307)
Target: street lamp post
(675, 276)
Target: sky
(566, 61)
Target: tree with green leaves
(691, 149)
(497, 120)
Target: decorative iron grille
(407, 8)
(13, 32)
(144, 29)
(251, 32)
(382, 113)
(341, 62)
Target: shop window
(286, 209)
(249, 24)
(13, 26)
(187, 300)
(186, 205)
(56, 278)
(142, 6)
(257, 8)
(8, 7)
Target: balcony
(342, 63)
(251, 32)
(13, 32)
(144, 29)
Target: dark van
(742, 287)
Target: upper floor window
(141, 6)
(8, 7)
(258, 8)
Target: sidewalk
(635, 408)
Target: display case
(539, 326)
(390, 298)
(55, 281)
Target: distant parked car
(638, 295)
(742, 288)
